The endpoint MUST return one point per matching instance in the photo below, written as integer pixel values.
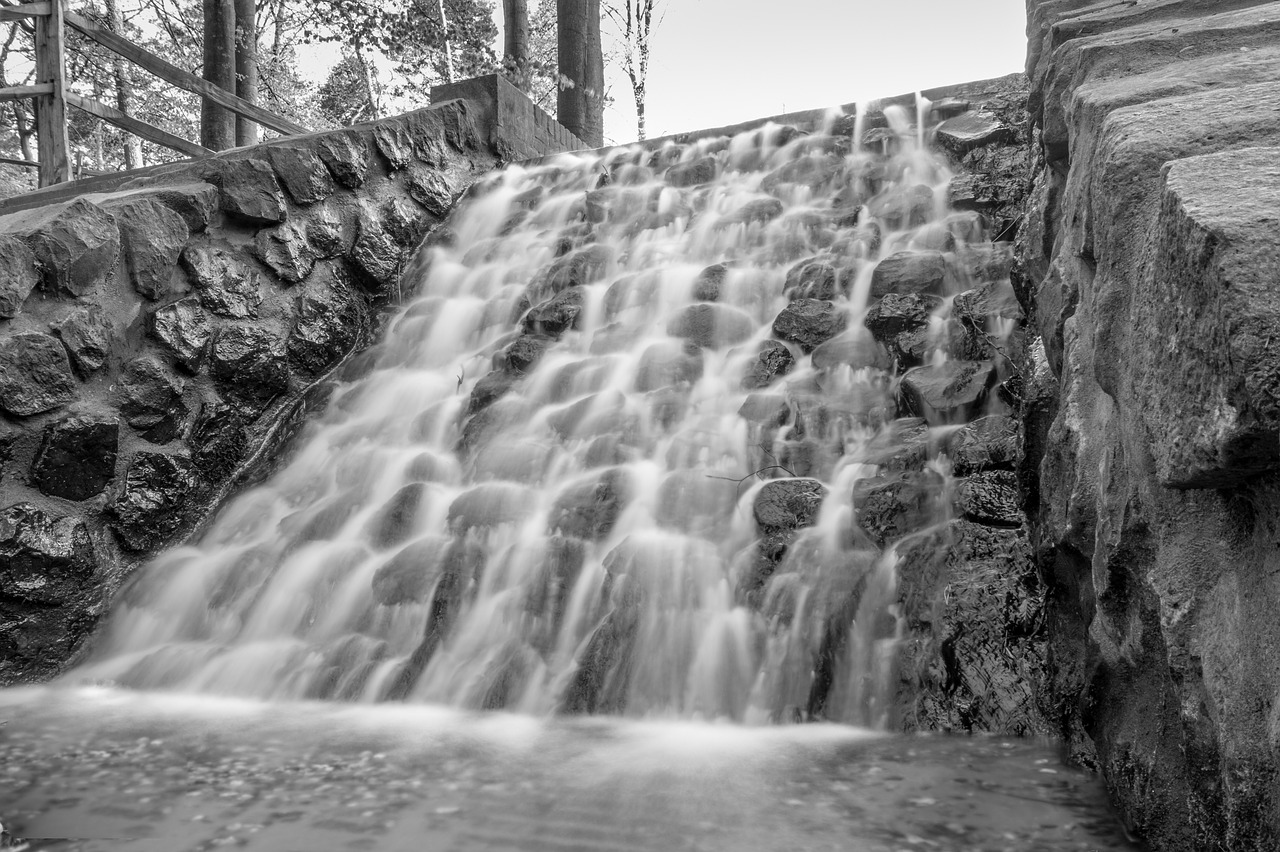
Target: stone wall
(160, 336)
(1151, 259)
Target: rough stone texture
(810, 322)
(711, 325)
(910, 272)
(189, 322)
(1149, 259)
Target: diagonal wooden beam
(149, 132)
(182, 79)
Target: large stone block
(77, 246)
(34, 374)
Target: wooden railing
(51, 98)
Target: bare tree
(580, 101)
(448, 43)
(634, 20)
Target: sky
(718, 62)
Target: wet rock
(347, 157)
(578, 268)
(895, 314)
(768, 409)
(993, 300)
(491, 387)
(183, 328)
(397, 520)
(707, 286)
(18, 276)
(77, 457)
(556, 315)
(853, 347)
(431, 188)
(249, 362)
(378, 257)
(910, 272)
(325, 234)
(935, 236)
(901, 444)
(889, 507)
(696, 502)
(43, 559)
(668, 363)
(225, 286)
(76, 246)
(590, 510)
(410, 575)
(325, 324)
(809, 322)
(692, 173)
(153, 238)
(758, 211)
(491, 504)
(402, 221)
(810, 171)
(951, 391)
(523, 354)
(34, 374)
(197, 203)
(287, 250)
(986, 444)
(898, 207)
(151, 400)
(773, 361)
(394, 144)
(788, 504)
(991, 498)
(303, 174)
(711, 325)
(812, 278)
(971, 130)
(250, 192)
(87, 335)
(150, 507)
(220, 442)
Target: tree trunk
(515, 42)
(124, 91)
(580, 102)
(246, 67)
(448, 43)
(218, 124)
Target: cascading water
(600, 462)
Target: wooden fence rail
(52, 98)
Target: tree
(217, 123)
(515, 43)
(635, 24)
(580, 101)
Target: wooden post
(51, 109)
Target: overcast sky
(717, 62)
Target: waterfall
(605, 459)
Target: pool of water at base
(102, 769)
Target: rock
(326, 322)
(991, 498)
(993, 300)
(758, 211)
(693, 173)
(150, 507)
(249, 363)
(219, 442)
(910, 272)
(410, 575)
(76, 246)
(694, 501)
(812, 278)
(303, 173)
(788, 504)
(706, 287)
(523, 354)
(951, 391)
(183, 328)
(556, 315)
(854, 347)
(43, 559)
(225, 286)
(899, 207)
(77, 457)
(287, 250)
(397, 519)
(773, 360)
(153, 238)
(491, 504)
(812, 171)
(488, 389)
(590, 510)
(197, 203)
(899, 445)
(895, 314)
(18, 276)
(378, 257)
(431, 188)
(34, 374)
(87, 336)
(579, 268)
(809, 322)
(325, 234)
(890, 507)
(250, 192)
(711, 325)
(347, 156)
(151, 400)
(970, 130)
(986, 444)
(668, 363)
(402, 221)
(767, 409)
(394, 144)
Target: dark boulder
(43, 559)
(951, 391)
(250, 192)
(225, 285)
(970, 130)
(491, 387)
(491, 504)
(590, 510)
(153, 238)
(890, 507)
(895, 314)
(287, 250)
(431, 188)
(773, 360)
(249, 363)
(988, 443)
(347, 157)
(902, 207)
(854, 348)
(812, 278)
(757, 211)
(992, 300)
(910, 272)
(87, 335)
(77, 457)
(151, 506)
(325, 323)
(18, 275)
(769, 409)
(183, 329)
(809, 322)
(788, 504)
(219, 441)
(377, 257)
(303, 173)
(711, 325)
(991, 498)
(556, 315)
(76, 246)
(667, 363)
(523, 354)
(578, 268)
(709, 282)
(692, 173)
(35, 375)
(151, 400)
(410, 575)
(809, 171)
(397, 519)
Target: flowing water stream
(548, 492)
